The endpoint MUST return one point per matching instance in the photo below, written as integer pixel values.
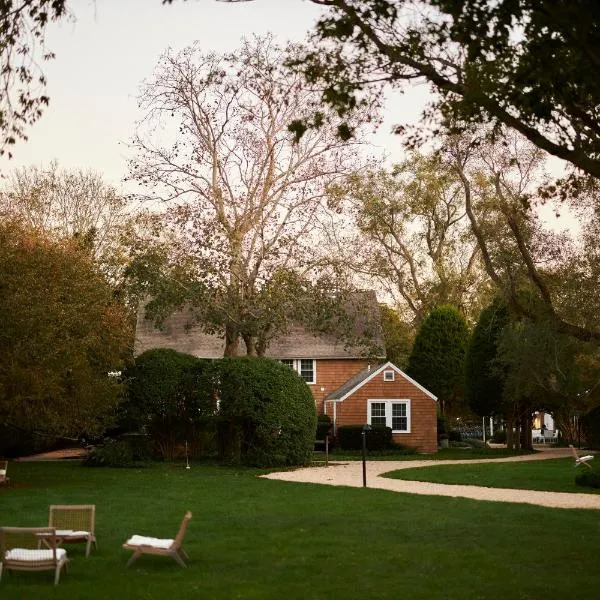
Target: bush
(267, 413)
(170, 397)
(125, 452)
(350, 437)
(454, 435)
(499, 436)
(588, 478)
(323, 427)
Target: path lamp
(365, 429)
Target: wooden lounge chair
(161, 547)
(581, 460)
(74, 523)
(3, 471)
(19, 550)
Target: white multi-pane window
(391, 413)
(305, 367)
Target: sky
(111, 46)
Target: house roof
(178, 332)
(364, 376)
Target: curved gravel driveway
(350, 474)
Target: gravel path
(350, 474)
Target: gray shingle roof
(352, 382)
(178, 333)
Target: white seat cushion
(26, 554)
(140, 540)
(71, 533)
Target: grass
(441, 454)
(261, 539)
(557, 475)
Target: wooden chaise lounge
(19, 550)
(160, 547)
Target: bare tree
(412, 236)
(71, 204)
(245, 198)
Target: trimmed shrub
(125, 452)
(171, 397)
(588, 478)
(323, 427)
(454, 435)
(379, 437)
(267, 413)
(499, 436)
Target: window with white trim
(388, 375)
(391, 413)
(305, 367)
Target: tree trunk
(232, 341)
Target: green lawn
(261, 539)
(557, 475)
(441, 454)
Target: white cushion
(71, 533)
(140, 540)
(26, 554)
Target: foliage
(350, 437)
(398, 336)
(170, 396)
(61, 333)
(484, 381)
(323, 427)
(23, 27)
(267, 413)
(244, 200)
(74, 204)
(412, 236)
(437, 357)
(591, 426)
(118, 453)
(499, 436)
(588, 478)
(525, 64)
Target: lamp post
(365, 429)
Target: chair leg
(57, 574)
(1, 565)
(134, 557)
(88, 547)
(178, 558)
(183, 553)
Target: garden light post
(365, 429)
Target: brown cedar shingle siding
(331, 374)
(423, 435)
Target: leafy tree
(525, 64)
(245, 202)
(398, 336)
(484, 380)
(437, 357)
(61, 333)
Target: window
(388, 375)
(305, 367)
(391, 413)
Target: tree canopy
(61, 333)
(531, 65)
(437, 358)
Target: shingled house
(350, 387)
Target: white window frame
(296, 364)
(388, 412)
(389, 375)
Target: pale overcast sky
(102, 57)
